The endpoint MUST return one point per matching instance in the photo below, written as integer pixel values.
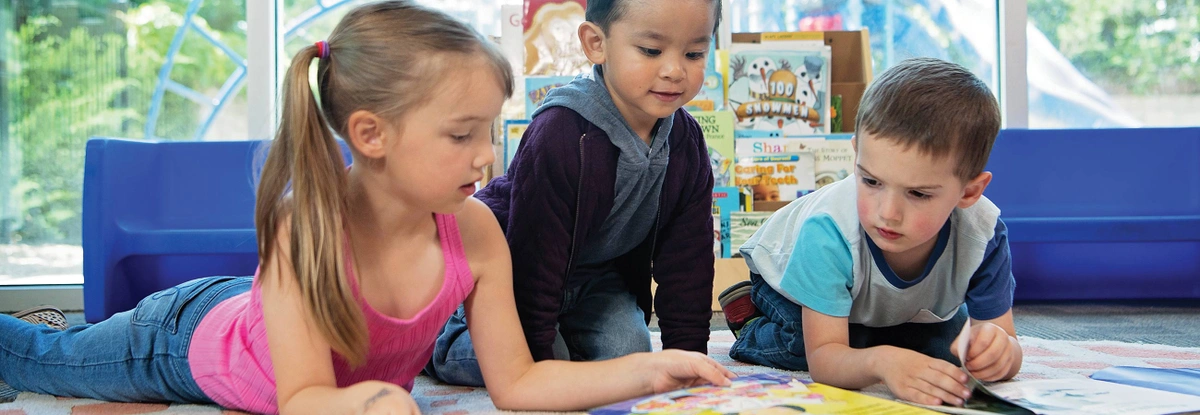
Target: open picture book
(1065, 397)
(762, 393)
(1072, 397)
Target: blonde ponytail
(306, 160)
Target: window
(1125, 63)
(308, 21)
(960, 31)
(78, 69)
(140, 69)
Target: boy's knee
(764, 343)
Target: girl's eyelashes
(650, 52)
(696, 55)
(870, 182)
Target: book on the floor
(1182, 380)
(762, 393)
(1072, 397)
(1064, 396)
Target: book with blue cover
(726, 201)
(536, 88)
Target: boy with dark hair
(610, 188)
(871, 279)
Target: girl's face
(439, 149)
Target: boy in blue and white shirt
(872, 278)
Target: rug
(1044, 359)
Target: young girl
(360, 267)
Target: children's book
(743, 225)
(1182, 380)
(833, 153)
(551, 43)
(763, 393)
(717, 127)
(511, 34)
(777, 177)
(1072, 397)
(511, 42)
(537, 87)
(513, 131)
(712, 92)
(711, 96)
(780, 86)
(718, 237)
(1065, 396)
(726, 201)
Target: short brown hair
(939, 107)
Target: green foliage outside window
(66, 83)
(1136, 47)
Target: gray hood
(588, 96)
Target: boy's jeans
(599, 320)
(138, 355)
(776, 339)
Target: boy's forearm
(842, 366)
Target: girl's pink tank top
(231, 363)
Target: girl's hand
(922, 379)
(672, 369)
(389, 400)
(990, 356)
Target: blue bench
(1101, 214)
(1092, 214)
(156, 214)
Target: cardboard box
(850, 67)
(728, 272)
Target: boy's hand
(990, 354)
(672, 369)
(922, 379)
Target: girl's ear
(591, 37)
(367, 133)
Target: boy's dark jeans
(776, 339)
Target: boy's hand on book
(915, 377)
(673, 369)
(990, 354)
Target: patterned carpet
(1044, 359)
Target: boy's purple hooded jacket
(560, 189)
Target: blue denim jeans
(599, 320)
(138, 355)
(777, 338)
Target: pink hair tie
(322, 49)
